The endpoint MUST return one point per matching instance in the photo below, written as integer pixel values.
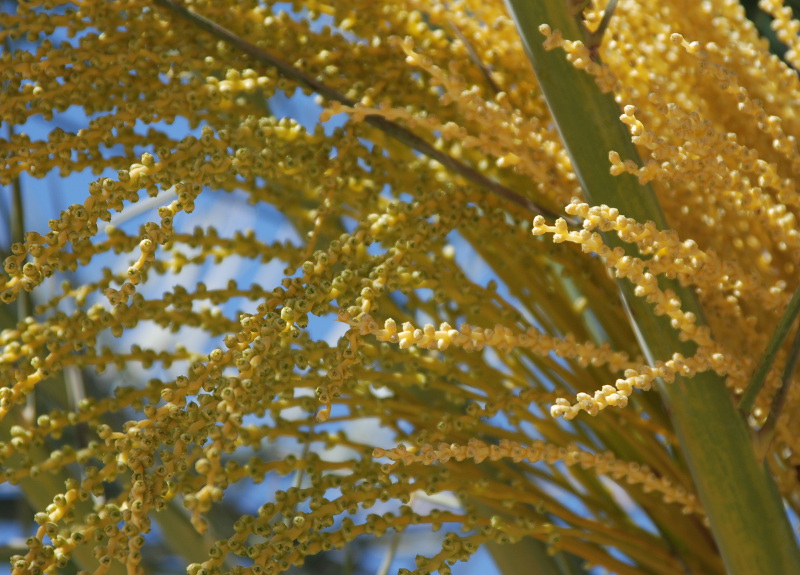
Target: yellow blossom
(411, 299)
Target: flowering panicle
(604, 463)
(234, 298)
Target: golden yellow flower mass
(439, 226)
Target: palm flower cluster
(439, 231)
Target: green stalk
(745, 511)
(765, 365)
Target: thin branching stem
(390, 128)
(779, 335)
(767, 432)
